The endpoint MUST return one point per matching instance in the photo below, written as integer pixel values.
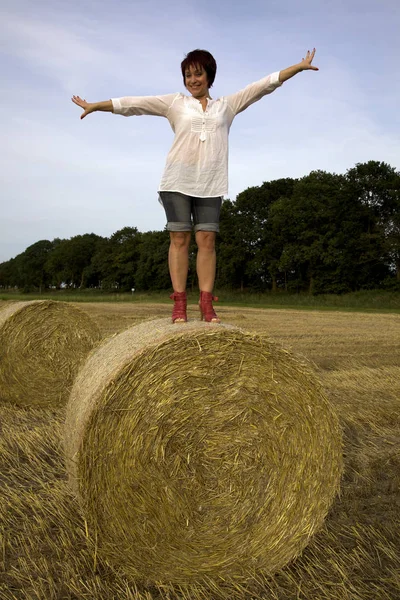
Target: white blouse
(197, 163)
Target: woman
(195, 177)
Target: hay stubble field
(45, 553)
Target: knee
(180, 239)
(206, 240)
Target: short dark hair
(202, 58)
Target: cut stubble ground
(45, 553)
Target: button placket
(202, 122)
(203, 130)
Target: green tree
(70, 259)
(8, 276)
(377, 186)
(262, 251)
(29, 266)
(246, 255)
(230, 261)
(152, 270)
(56, 263)
(320, 230)
(115, 261)
(125, 245)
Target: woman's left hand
(306, 62)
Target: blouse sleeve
(239, 101)
(143, 105)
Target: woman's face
(196, 81)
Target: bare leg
(206, 259)
(178, 259)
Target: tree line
(322, 233)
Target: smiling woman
(198, 70)
(195, 177)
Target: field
(45, 553)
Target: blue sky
(61, 176)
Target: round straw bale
(200, 452)
(42, 345)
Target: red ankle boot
(179, 310)
(207, 311)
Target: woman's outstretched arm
(304, 65)
(89, 107)
(129, 105)
(255, 91)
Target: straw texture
(200, 453)
(42, 345)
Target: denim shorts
(183, 212)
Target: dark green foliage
(31, 264)
(322, 234)
(377, 185)
(69, 259)
(152, 271)
(116, 260)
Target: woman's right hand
(87, 106)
